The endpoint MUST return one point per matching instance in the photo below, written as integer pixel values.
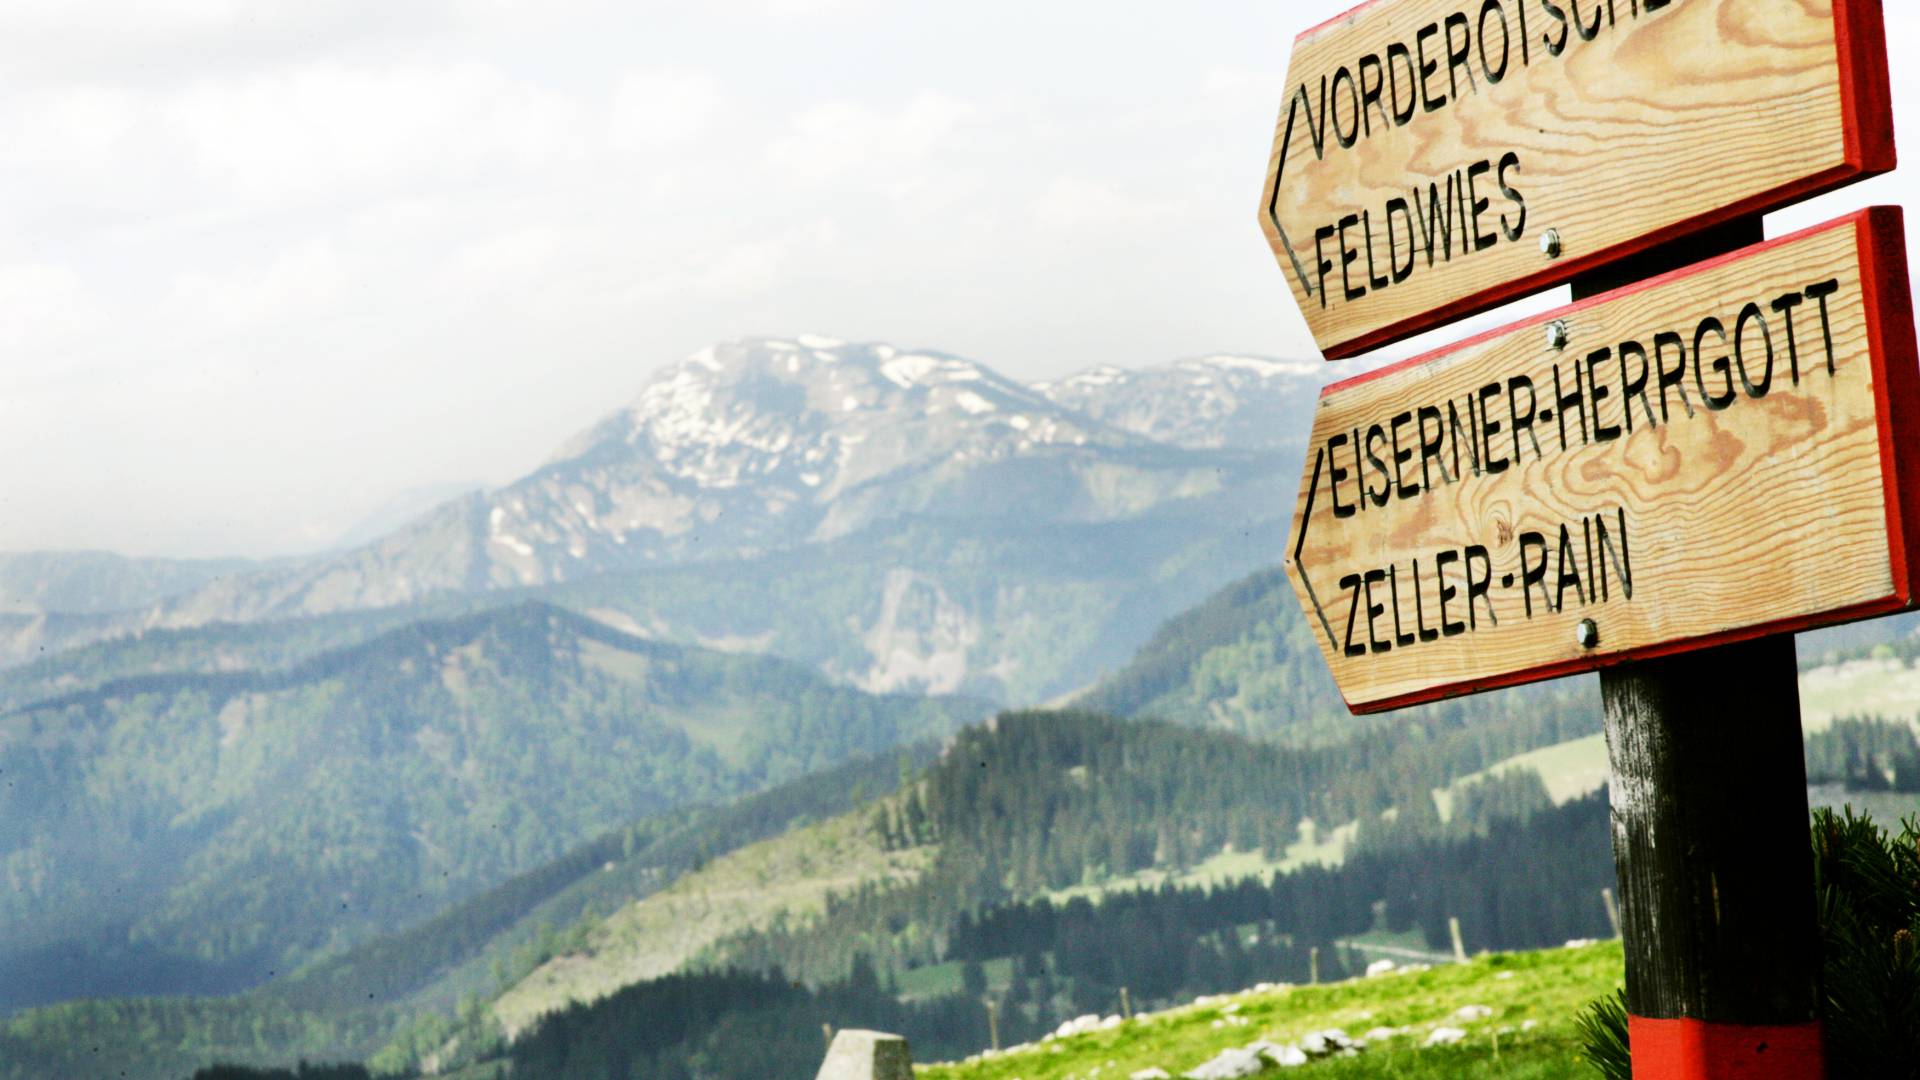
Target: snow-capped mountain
(765, 444)
(924, 521)
(1244, 402)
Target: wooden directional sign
(1727, 451)
(1427, 147)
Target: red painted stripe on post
(1697, 1050)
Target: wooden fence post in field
(1459, 946)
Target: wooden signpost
(1436, 157)
(1724, 452)
(1717, 445)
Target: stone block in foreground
(867, 1055)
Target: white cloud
(1072, 202)
(842, 139)
(653, 109)
(321, 131)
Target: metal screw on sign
(1558, 334)
(1587, 633)
(1550, 243)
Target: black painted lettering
(1400, 638)
(1419, 609)
(1634, 385)
(1399, 206)
(1374, 611)
(1568, 577)
(1466, 226)
(1577, 399)
(1487, 67)
(1598, 391)
(1375, 281)
(1462, 435)
(1431, 443)
(1345, 138)
(1479, 586)
(1587, 33)
(1586, 536)
(1448, 627)
(1784, 308)
(1621, 558)
(1370, 90)
(1819, 293)
(1555, 47)
(1348, 256)
(1674, 377)
(1515, 231)
(1401, 456)
(1522, 421)
(1404, 57)
(1459, 53)
(1427, 67)
(1752, 314)
(1489, 427)
(1721, 366)
(1320, 237)
(1531, 575)
(1376, 433)
(1351, 583)
(1441, 230)
(1481, 242)
(1336, 474)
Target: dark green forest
(239, 823)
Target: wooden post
(1126, 1007)
(1459, 946)
(1710, 845)
(1313, 965)
(993, 1024)
(1613, 910)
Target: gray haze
(264, 267)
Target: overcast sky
(264, 266)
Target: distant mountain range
(958, 530)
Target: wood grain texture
(1665, 122)
(1775, 513)
(1716, 893)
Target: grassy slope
(1884, 687)
(1546, 987)
(787, 877)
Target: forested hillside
(408, 988)
(1245, 660)
(1036, 800)
(204, 831)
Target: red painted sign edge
(1689, 1049)
(1895, 358)
(1866, 106)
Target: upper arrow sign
(1723, 452)
(1436, 157)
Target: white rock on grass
(1229, 1064)
(1467, 1014)
(1381, 1034)
(1445, 1036)
(1078, 1025)
(1110, 1023)
(1287, 1057)
(1381, 967)
(1149, 1074)
(1324, 1043)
